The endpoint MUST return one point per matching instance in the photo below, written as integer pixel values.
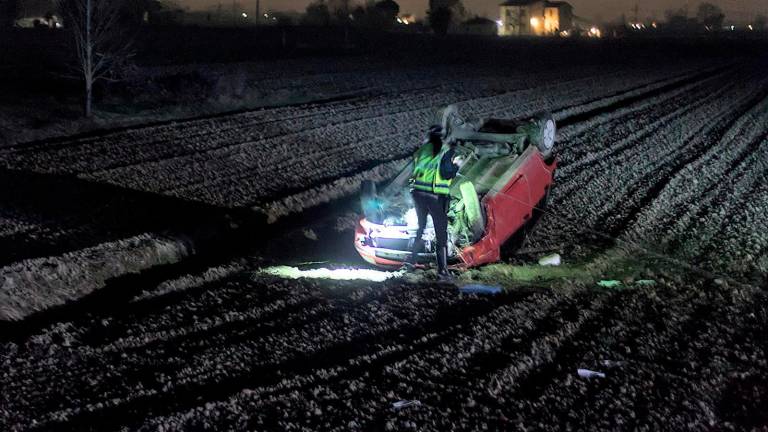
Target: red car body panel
(508, 209)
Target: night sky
(739, 10)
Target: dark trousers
(437, 206)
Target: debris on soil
(611, 364)
(310, 234)
(586, 373)
(609, 283)
(550, 260)
(645, 282)
(481, 289)
(405, 403)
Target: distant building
(535, 17)
(407, 19)
(478, 26)
(34, 13)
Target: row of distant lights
(534, 22)
(401, 20)
(641, 26)
(266, 16)
(593, 32)
(733, 28)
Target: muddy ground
(230, 347)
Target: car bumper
(382, 256)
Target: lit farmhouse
(535, 18)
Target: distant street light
(245, 15)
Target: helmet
(435, 131)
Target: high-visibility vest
(426, 171)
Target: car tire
(546, 131)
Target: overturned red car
(507, 175)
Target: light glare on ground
(289, 272)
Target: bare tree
(99, 39)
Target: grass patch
(612, 265)
(515, 275)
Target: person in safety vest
(434, 167)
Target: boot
(442, 264)
(412, 261)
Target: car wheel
(545, 135)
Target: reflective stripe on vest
(426, 171)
